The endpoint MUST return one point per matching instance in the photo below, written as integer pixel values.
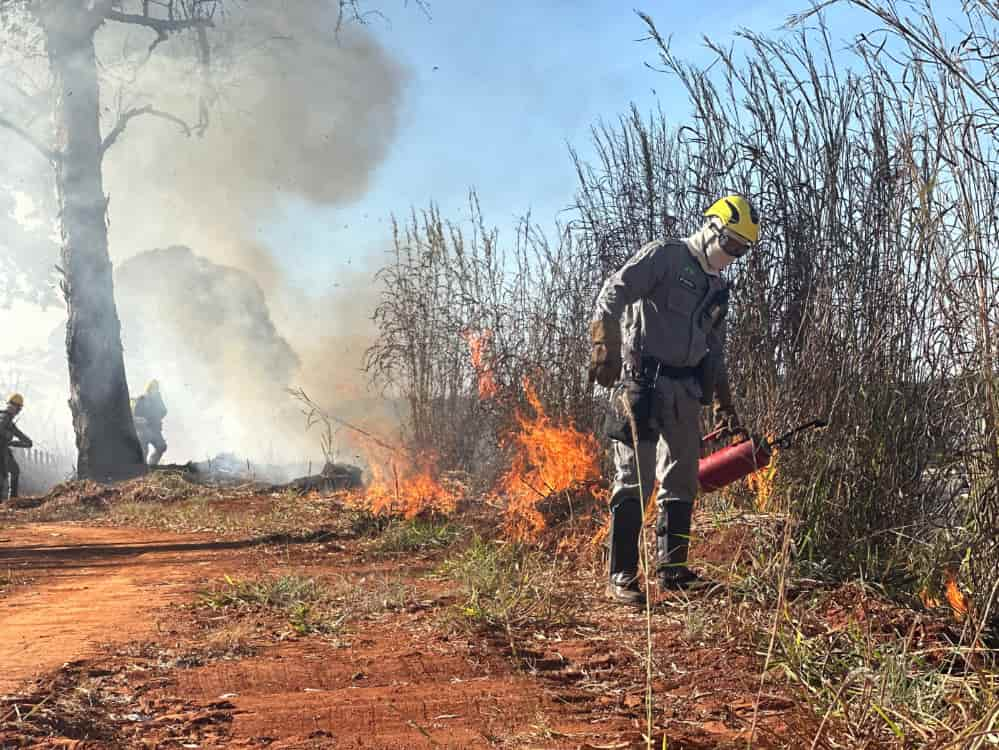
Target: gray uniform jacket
(10, 437)
(150, 407)
(661, 297)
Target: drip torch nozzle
(784, 441)
(730, 464)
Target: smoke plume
(222, 364)
(299, 111)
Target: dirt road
(82, 594)
(144, 670)
(75, 588)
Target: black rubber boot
(672, 545)
(625, 528)
(680, 577)
(625, 589)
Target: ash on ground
(227, 468)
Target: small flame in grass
(402, 485)
(652, 505)
(955, 597)
(763, 484)
(548, 459)
(480, 347)
(929, 601)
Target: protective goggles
(732, 244)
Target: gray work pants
(9, 466)
(672, 461)
(150, 435)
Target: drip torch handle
(723, 432)
(712, 436)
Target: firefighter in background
(11, 437)
(660, 317)
(148, 413)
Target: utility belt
(637, 396)
(638, 389)
(705, 373)
(652, 368)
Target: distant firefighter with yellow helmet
(148, 413)
(11, 437)
(660, 321)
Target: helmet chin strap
(703, 245)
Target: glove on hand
(727, 421)
(605, 356)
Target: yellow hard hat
(153, 386)
(738, 216)
(17, 400)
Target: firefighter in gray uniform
(660, 319)
(11, 437)
(148, 413)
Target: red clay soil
(107, 601)
(389, 689)
(89, 595)
(90, 586)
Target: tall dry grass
(869, 302)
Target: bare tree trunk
(105, 434)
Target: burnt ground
(104, 644)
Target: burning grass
(554, 472)
(763, 485)
(549, 460)
(408, 486)
(480, 348)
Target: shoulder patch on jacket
(688, 276)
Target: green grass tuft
(416, 535)
(507, 585)
(309, 606)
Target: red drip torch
(751, 454)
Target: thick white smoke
(301, 111)
(297, 109)
(222, 364)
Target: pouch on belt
(642, 398)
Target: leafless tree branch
(45, 151)
(162, 26)
(131, 114)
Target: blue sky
(496, 93)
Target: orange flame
(480, 347)
(763, 484)
(402, 485)
(955, 597)
(929, 601)
(548, 459)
